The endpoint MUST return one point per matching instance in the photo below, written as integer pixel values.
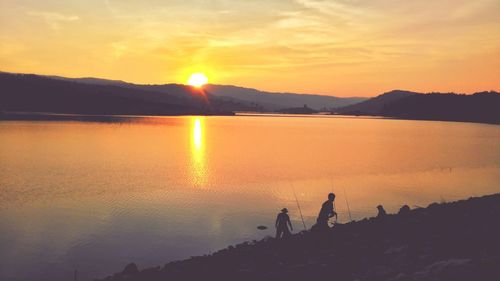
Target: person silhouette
(282, 223)
(326, 213)
(381, 211)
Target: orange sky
(337, 47)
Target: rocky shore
(447, 241)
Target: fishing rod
(298, 206)
(347, 203)
(331, 183)
(334, 208)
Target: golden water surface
(96, 196)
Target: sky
(336, 47)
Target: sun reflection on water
(197, 134)
(198, 165)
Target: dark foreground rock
(449, 241)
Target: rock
(450, 269)
(381, 271)
(130, 269)
(400, 277)
(395, 250)
(404, 210)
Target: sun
(197, 80)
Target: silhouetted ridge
(478, 107)
(34, 93)
(374, 106)
(253, 99)
(276, 101)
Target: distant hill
(374, 106)
(479, 107)
(276, 101)
(252, 98)
(35, 93)
(53, 94)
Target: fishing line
(347, 203)
(298, 206)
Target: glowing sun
(197, 80)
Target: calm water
(96, 196)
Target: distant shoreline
(277, 114)
(354, 116)
(48, 116)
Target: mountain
(168, 89)
(374, 106)
(276, 101)
(479, 107)
(92, 80)
(258, 100)
(35, 93)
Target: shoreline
(447, 241)
(48, 116)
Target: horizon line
(247, 87)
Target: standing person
(282, 223)
(326, 213)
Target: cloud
(155, 40)
(53, 19)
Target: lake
(92, 196)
